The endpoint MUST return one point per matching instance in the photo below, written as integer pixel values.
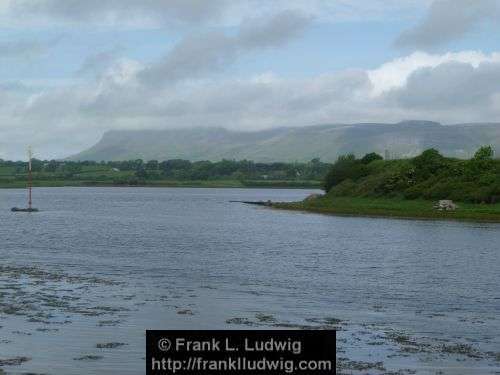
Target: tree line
(427, 176)
(177, 169)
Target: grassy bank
(16, 184)
(393, 207)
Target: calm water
(100, 265)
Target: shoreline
(230, 184)
(393, 209)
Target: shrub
(427, 176)
(428, 163)
(372, 156)
(484, 153)
(346, 167)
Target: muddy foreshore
(44, 303)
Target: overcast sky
(71, 70)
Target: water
(101, 265)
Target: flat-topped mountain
(404, 139)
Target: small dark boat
(17, 209)
(30, 186)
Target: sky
(71, 70)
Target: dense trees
(427, 176)
(176, 169)
(347, 167)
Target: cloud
(450, 88)
(185, 87)
(448, 20)
(118, 12)
(158, 13)
(394, 74)
(264, 97)
(99, 62)
(197, 55)
(191, 58)
(25, 49)
(331, 11)
(272, 31)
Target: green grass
(400, 208)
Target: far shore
(275, 184)
(393, 208)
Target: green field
(393, 207)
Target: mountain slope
(327, 142)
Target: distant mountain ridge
(403, 139)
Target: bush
(372, 156)
(484, 153)
(428, 163)
(346, 167)
(427, 176)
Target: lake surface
(98, 266)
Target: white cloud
(394, 74)
(451, 86)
